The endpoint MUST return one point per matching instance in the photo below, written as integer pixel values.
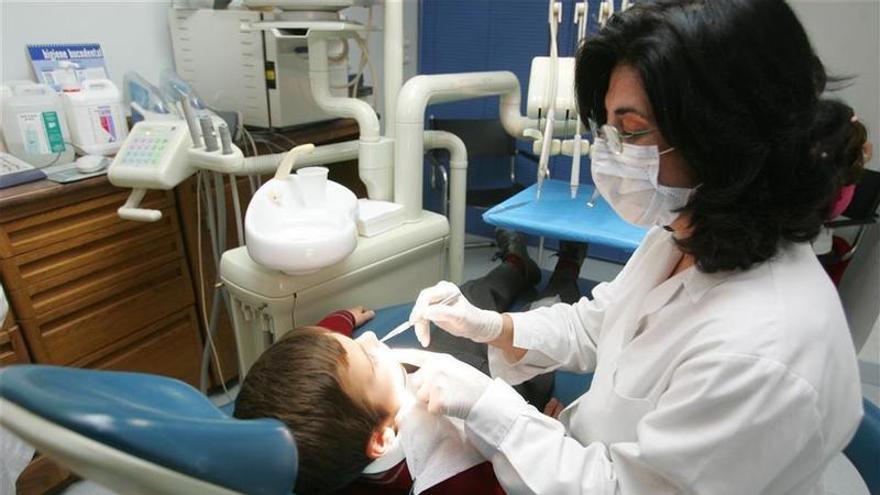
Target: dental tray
(375, 217)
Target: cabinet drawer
(109, 315)
(171, 348)
(12, 349)
(66, 292)
(87, 252)
(71, 224)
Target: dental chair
(144, 434)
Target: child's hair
(297, 380)
(839, 141)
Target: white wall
(846, 35)
(133, 34)
(410, 48)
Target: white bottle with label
(97, 121)
(34, 126)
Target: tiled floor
(841, 477)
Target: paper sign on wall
(60, 65)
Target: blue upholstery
(864, 449)
(557, 216)
(161, 420)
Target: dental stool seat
(136, 433)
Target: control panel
(154, 156)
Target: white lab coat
(735, 383)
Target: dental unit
(266, 297)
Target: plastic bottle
(35, 127)
(6, 92)
(96, 118)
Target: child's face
(373, 374)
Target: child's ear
(380, 441)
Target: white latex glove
(459, 317)
(444, 384)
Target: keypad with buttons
(144, 149)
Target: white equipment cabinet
(264, 74)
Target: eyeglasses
(614, 136)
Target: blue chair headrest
(160, 420)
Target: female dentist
(722, 360)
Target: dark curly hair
(735, 86)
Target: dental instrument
(581, 21)
(554, 18)
(399, 329)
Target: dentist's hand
(444, 384)
(460, 317)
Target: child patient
(342, 398)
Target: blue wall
(483, 35)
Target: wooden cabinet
(88, 289)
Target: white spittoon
(297, 229)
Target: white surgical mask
(628, 181)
